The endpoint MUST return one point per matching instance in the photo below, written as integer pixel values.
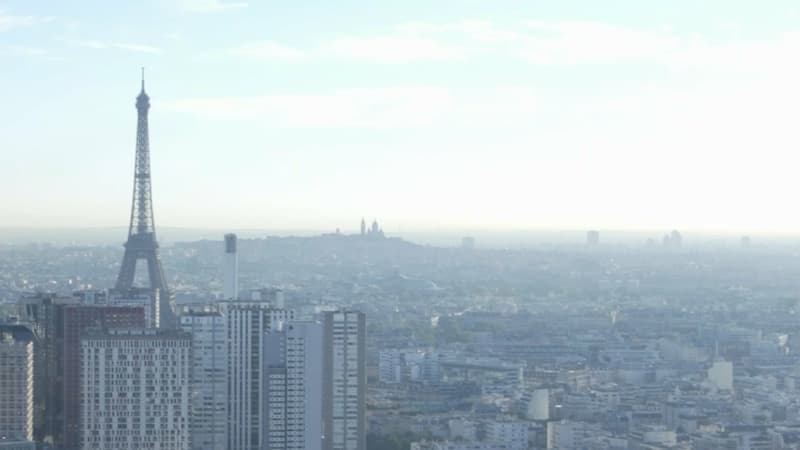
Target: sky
(428, 115)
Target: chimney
(230, 285)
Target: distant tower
(468, 242)
(676, 240)
(142, 242)
(363, 227)
(592, 237)
(230, 286)
(375, 228)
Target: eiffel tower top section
(142, 220)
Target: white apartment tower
(230, 284)
(208, 422)
(134, 389)
(247, 324)
(344, 380)
(16, 383)
(293, 387)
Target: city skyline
(569, 116)
(449, 225)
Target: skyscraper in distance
(293, 356)
(208, 422)
(16, 383)
(247, 324)
(344, 380)
(44, 314)
(592, 237)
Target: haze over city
(456, 114)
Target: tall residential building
(76, 320)
(135, 389)
(16, 383)
(208, 422)
(344, 380)
(292, 393)
(230, 284)
(247, 323)
(592, 237)
(44, 313)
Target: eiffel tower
(142, 243)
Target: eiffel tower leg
(126, 272)
(155, 272)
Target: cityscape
(644, 299)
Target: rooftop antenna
(142, 79)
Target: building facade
(344, 380)
(293, 387)
(247, 324)
(135, 389)
(208, 423)
(44, 313)
(16, 383)
(77, 319)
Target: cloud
(10, 22)
(540, 42)
(370, 108)
(374, 49)
(392, 49)
(269, 50)
(379, 108)
(105, 45)
(569, 42)
(477, 30)
(550, 42)
(207, 6)
(22, 50)
(545, 43)
(766, 56)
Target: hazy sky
(425, 114)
